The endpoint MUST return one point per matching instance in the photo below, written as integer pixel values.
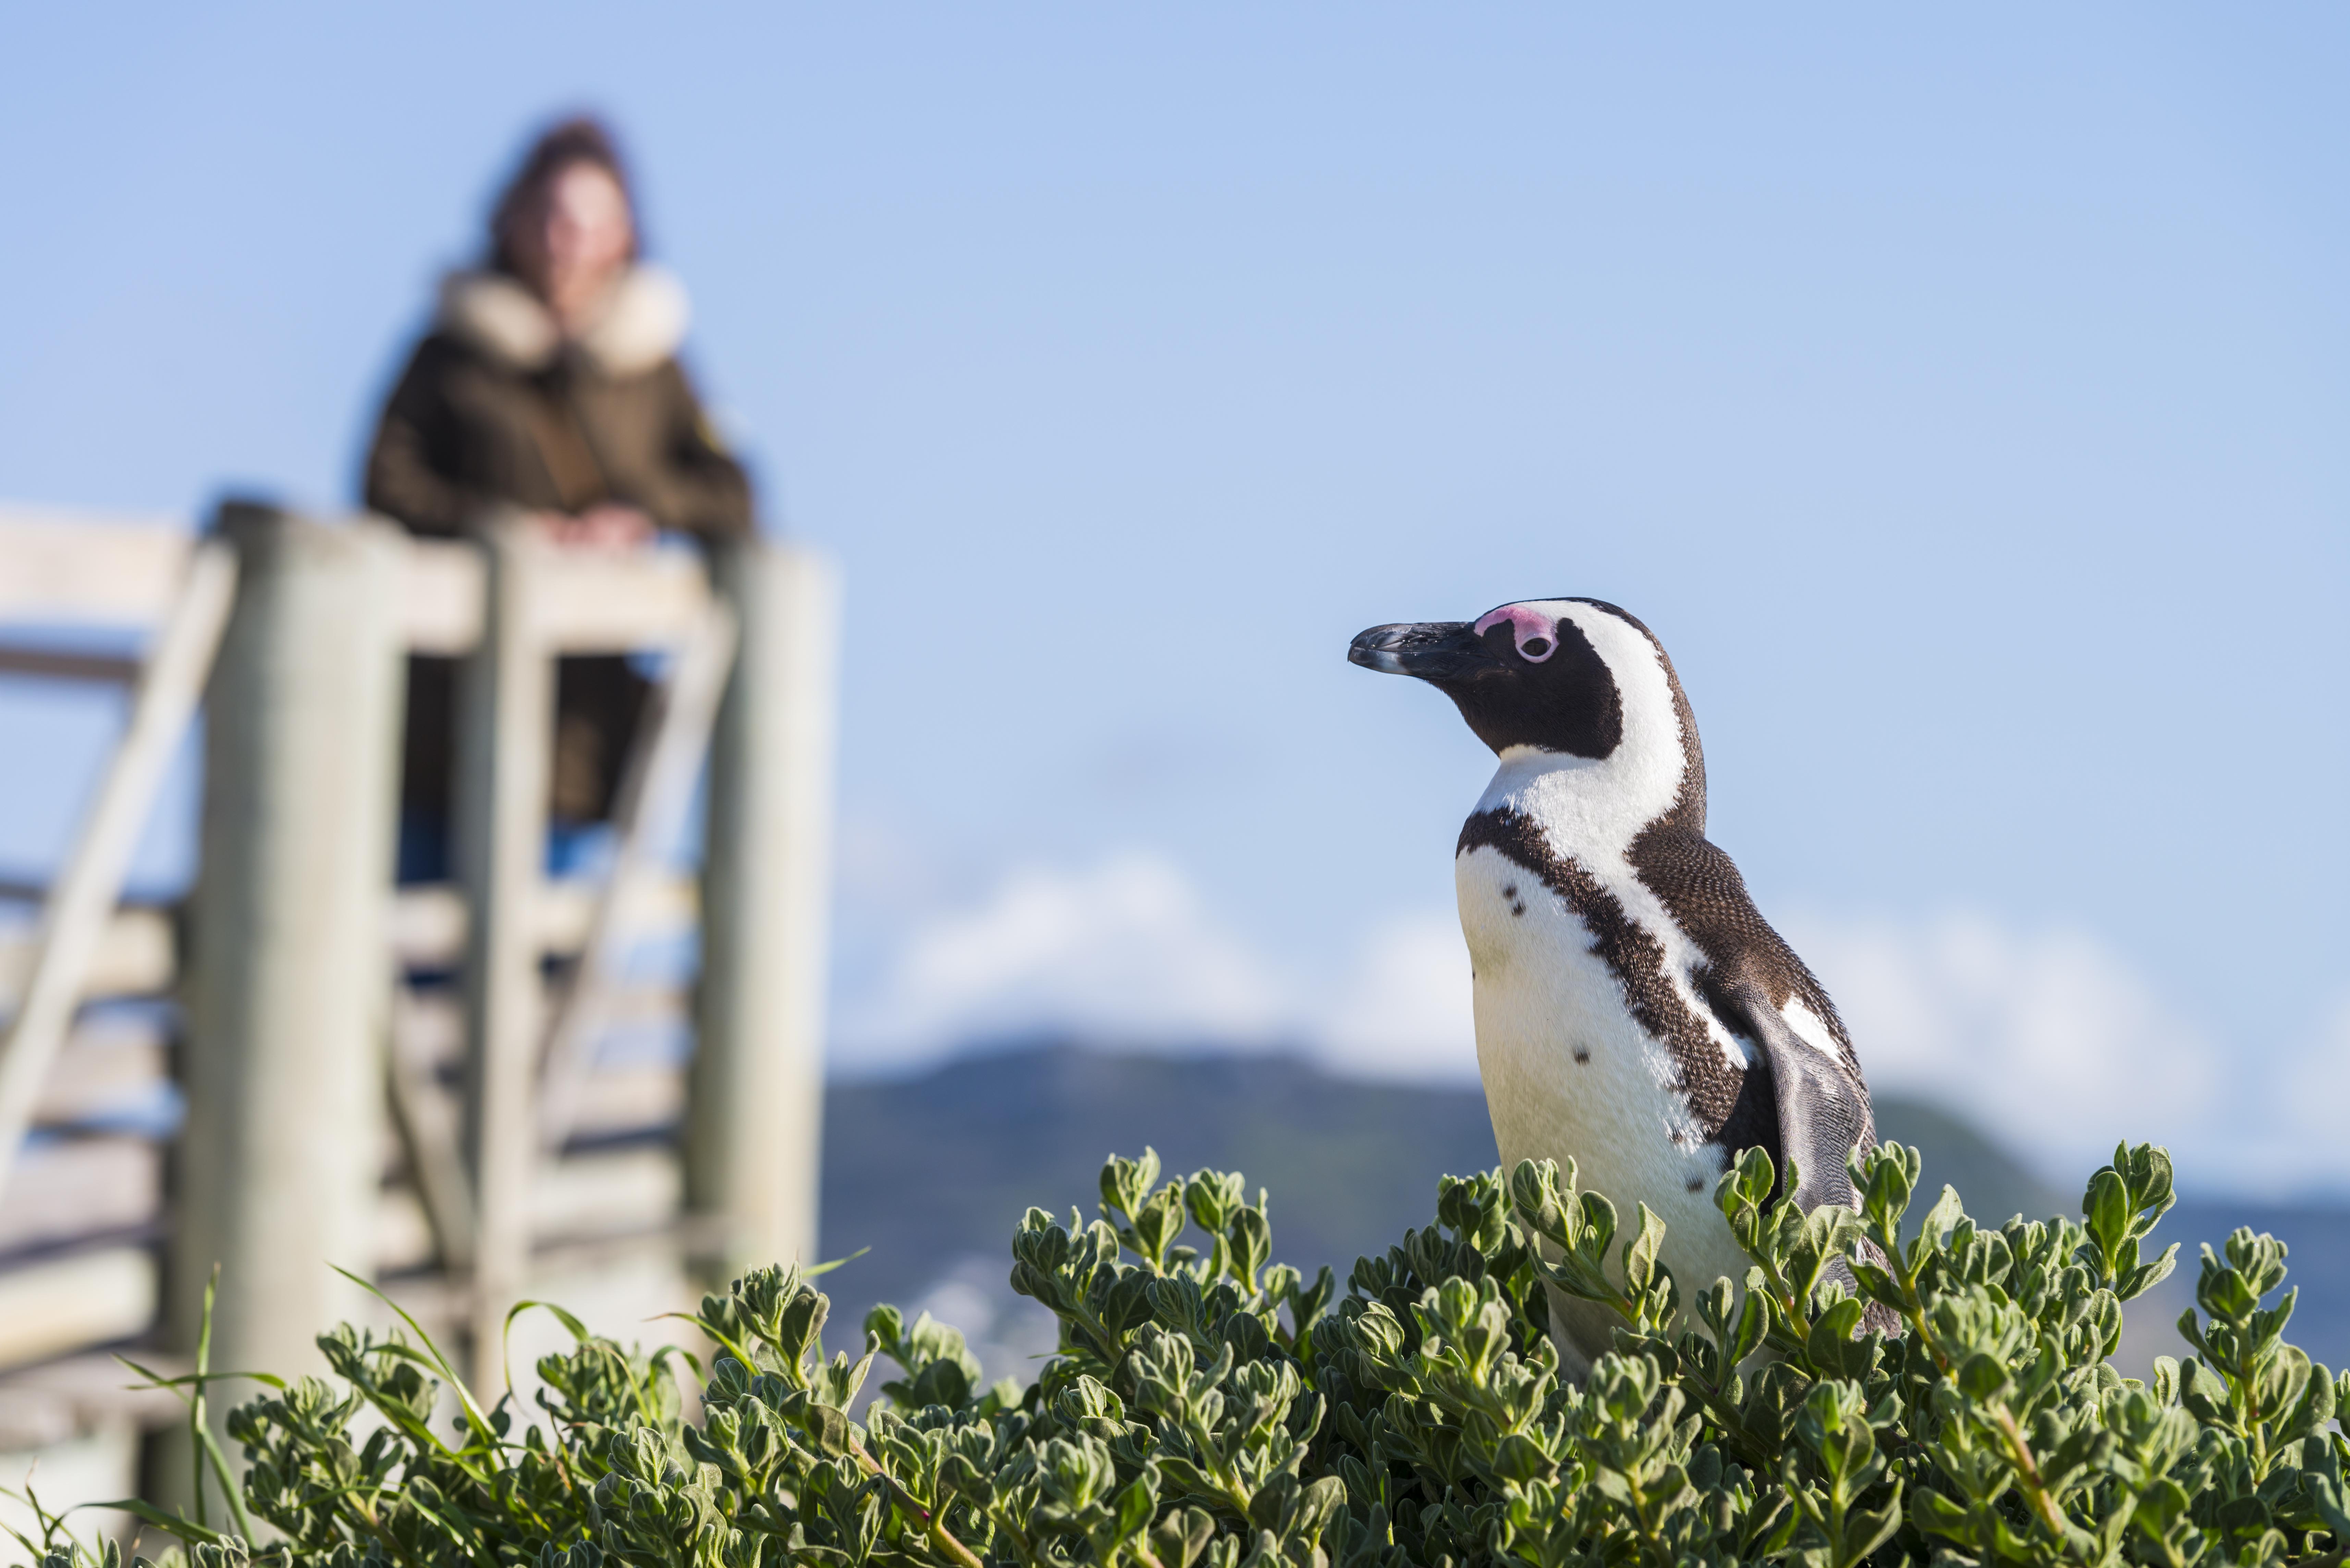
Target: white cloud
(1126, 952)
(2058, 1045)
(1119, 952)
(1404, 1011)
(2051, 1040)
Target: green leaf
(1981, 1377)
(2331, 1500)
(1413, 1415)
(1640, 1257)
(826, 1426)
(1136, 1503)
(1866, 1530)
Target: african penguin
(1633, 1009)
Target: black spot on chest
(1636, 959)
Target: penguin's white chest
(1570, 1073)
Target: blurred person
(549, 383)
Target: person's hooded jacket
(497, 408)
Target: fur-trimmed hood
(640, 324)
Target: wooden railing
(457, 1141)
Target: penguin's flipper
(1824, 1112)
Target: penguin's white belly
(1569, 1072)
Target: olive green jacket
(495, 407)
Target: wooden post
(281, 1155)
(754, 1120)
(504, 738)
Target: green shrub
(1211, 1409)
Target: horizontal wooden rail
(78, 1395)
(428, 923)
(609, 1192)
(70, 1190)
(65, 1399)
(580, 603)
(99, 1187)
(69, 1302)
(50, 664)
(444, 1303)
(104, 1071)
(66, 568)
(432, 1026)
(62, 567)
(629, 1102)
(136, 956)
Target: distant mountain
(934, 1174)
(1994, 1184)
(929, 1169)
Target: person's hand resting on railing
(609, 526)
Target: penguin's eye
(1533, 634)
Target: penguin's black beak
(1428, 650)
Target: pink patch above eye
(1534, 632)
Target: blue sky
(1961, 397)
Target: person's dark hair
(583, 138)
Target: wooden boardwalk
(468, 1090)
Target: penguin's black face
(1522, 674)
